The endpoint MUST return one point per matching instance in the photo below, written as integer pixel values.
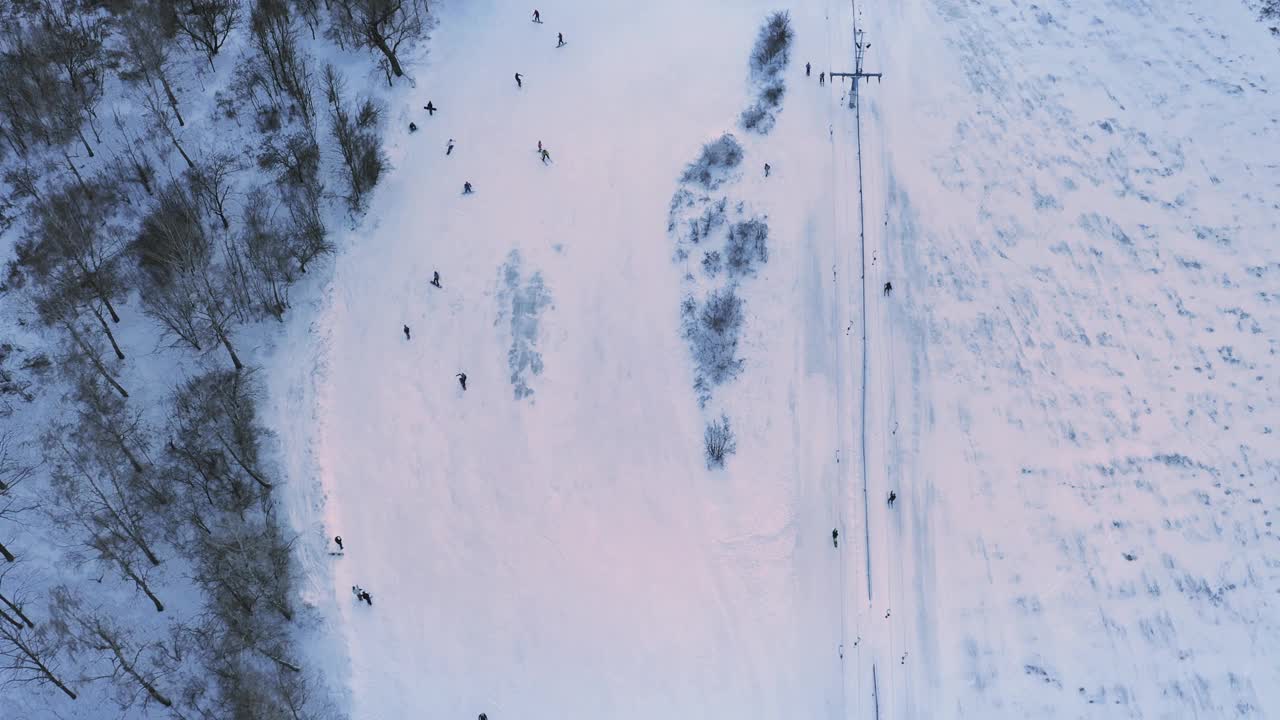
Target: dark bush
(717, 157)
(773, 46)
(747, 245)
(718, 442)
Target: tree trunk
(5, 616)
(381, 43)
(173, 99)
(280, 661)
(44, 670)
(8, 556)
(128, 668)
(133, 460)
(142, 585)
(182, 152)
(110, 336)
(74, 170)
(93, 359)
(85, 142)
(17, 611)
(235, 359)
(110, 308)
(243, 465)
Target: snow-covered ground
(1070, 387)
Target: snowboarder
(767, 169)
(483, 717)
(466, 188)
(560, 39)
(435, 278)
(338, 539)
(406, 332)
(355, 590)
(539, 146)
(462, 380)
(413, 127)
(449, 150)
(546, 156)
(892, 496)
(835, 537)
(888, 288)
(519, 82)
(365, 596)
(822, 78)
(806, 69)
(537, 17)
(431, 109)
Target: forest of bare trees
(143, 558)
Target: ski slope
(1075, 205)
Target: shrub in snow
(757, 119)
(747, 245)
(711, 263)
(713, 330)
(718, 157)
(773, 46)
(773, 93)
(718, 442)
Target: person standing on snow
(462, 380)
(338, 539)
(806, 69)
(560, 37)
(888, 288)
(892, 496)
(766, 169)
(537, 17)
(406, 332)
(449, 149)
(835, 537)
(435, 278)
(546, 156)
(466, 188)
(431, 109)
(822, 78)
(519, 82)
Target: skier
(539, 146)
(806, 69)
(338, 539)
(835, 537)
(431, 109)
(462, 380)
(560, 37)
(537, 17)
(482, 715)
(546, 156)
(767, 169)
(892, 496)
(413, 127)
(355, 590)
(822, 78)
(519, 82)
(406, 332)
(888, 288)
(466, 188)
(449, 149)
(365, 596)
(435, 278)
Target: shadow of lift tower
(859, 49)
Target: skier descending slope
(462, 380)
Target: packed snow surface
(1071, 388)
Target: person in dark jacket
(435, 278)
(519, 82)
(888, 288)
(560, 40)
(892, 496)
(449, 150)
(537, 17)
(462, 380)
(806, 69)
(338, 539)
(466, 188)
(431, 109)
(835, 537)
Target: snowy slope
(1077, 202)
(1074, 203)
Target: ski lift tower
(860, 46)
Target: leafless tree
(92, 630)
(99, 495)
(14, 470)
(186, 291)
(383, 25)
(215, 416)
(206, 23)
(132, 160)
(146, 57)
(276, 40)
(79, 350)
(73, 42)
(355, 128)
(106, 421)
(211, 183)
(31, 656)
(269, 254)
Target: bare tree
(147, 60)
(356, 131)
(383, 25)
(78, 350)
(269, 253)
(14, 469)
(212, 182)
(207, 23)
(31, 655)
(108, 422)
(186, 292)
(276, 40)
(73, 42)
(98, 495)
(215, 415)
(90, 629)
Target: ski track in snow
(1071, 388)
